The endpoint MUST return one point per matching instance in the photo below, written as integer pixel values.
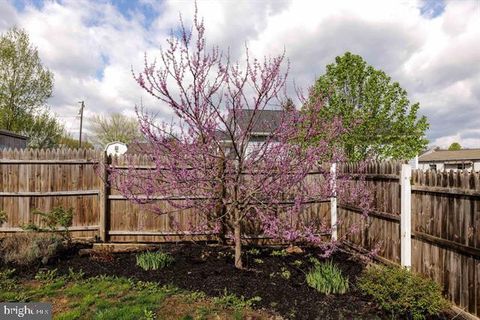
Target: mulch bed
(210, 269)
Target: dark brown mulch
(210, 269)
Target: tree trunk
(220, 209)
(238, 245)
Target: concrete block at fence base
(294, 249)
(124, 247)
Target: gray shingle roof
(265, 121)
(447, 155)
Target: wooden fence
(445, 212)
(445, 208)
(45, 179)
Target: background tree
(25, 86)
(43, 130)
(455, 146)
(382, 123)
(67, 141)
(206, 160)
(115, 127)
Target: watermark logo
(28, 311)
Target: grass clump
(30, 248)
(327, 278)
(230, 300)
(154, 260)
(402, 292)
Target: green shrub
(154, 260)
(401, 292)
(56, 220)
(327, 278)
(29, 248)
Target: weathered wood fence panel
(445, 226)
(45, 179)
(446, 233)
(380, 230)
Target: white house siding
(476, 166)
(441, 166)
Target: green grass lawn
(74, 297)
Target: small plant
(154, 260)
(149, 314)
(285, 273)
(402, 292)
(258, 261)
(46, 276)
(297, 263)
(75, 275)
(7, 282)
(56, 220)
(279, 253)
(327, 278)
(230, 300)
(253, 252)
(195, 296)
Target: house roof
(264, 122)
(450, 155)
(12, 134)
(139, 148)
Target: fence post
(406, 217)
(103, 199)
(333, 201)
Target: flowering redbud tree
(207, 161)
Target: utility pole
(82, 105)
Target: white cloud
(437, 60)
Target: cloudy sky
(432, 47)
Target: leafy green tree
(116, 127)
(25, 86)
(67, 141)
(455, 146)
(376, 112)
(43, 130)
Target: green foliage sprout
(58, 219)
(154, 260)
(327, 278)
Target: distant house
(12, 140)
(465, 159)
(264, 123)
(139, 148)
